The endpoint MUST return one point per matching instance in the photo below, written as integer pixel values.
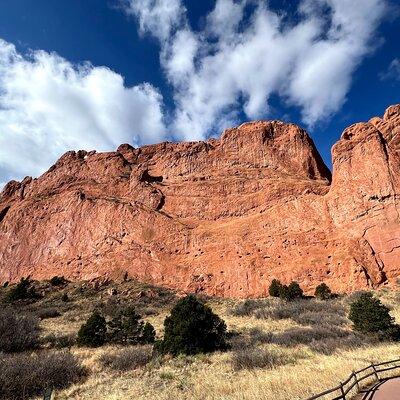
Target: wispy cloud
(248, 52)
(392, 73)
(49, 106)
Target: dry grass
(127, 358)
(212, 377)
(291, 370)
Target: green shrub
(58, 281)
(148, 334)
(323, 292)
(18, 332)
(127, 328)
(23, 290)
(25, 376)
(275, 288)
(390, 334)
(192, 328)
(93, 332)
(369, 315)
(291, 292)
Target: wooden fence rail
(344, 388)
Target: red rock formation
(224, 216)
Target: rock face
(223, 217)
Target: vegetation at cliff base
(370, 316)
(126, 327)
(323, 292)
(93, 332)
(146, 342)
(22, 291)
(193, 328)
(289, 292)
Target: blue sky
(95, 73)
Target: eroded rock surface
(224, 216)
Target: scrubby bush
(257, 358)
(127, 328)
(302, 311)
(296, 336)
(323, 292)
(192, 328)
(247, 307)
(291, 292)
(93, 332)
(25, 376)
(324, 317)
(23, 290)
(322, 339)
(329, 345)
(58, 281)
(275, 288)
(18, 332)
(369, 315)
(128, 358)
(65, 297)
(46, 313)
(257, 335)
(59, 341)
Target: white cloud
(392, 72)
(159, 17)
(49, 106)
(247, 53)
(224, 20)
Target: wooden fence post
(342, 390)
(357, 384)
(375, 372)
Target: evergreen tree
(275, 288)
(93, 332)
(148, 334)
(58, 280)
(128, 328)
(323, 292)
(291, 292)
(369, 315)
(193, 328)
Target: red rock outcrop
(224, 216)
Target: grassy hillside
(279, 350)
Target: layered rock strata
(222, 217)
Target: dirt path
(387, 390)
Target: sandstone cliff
(224, 216)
